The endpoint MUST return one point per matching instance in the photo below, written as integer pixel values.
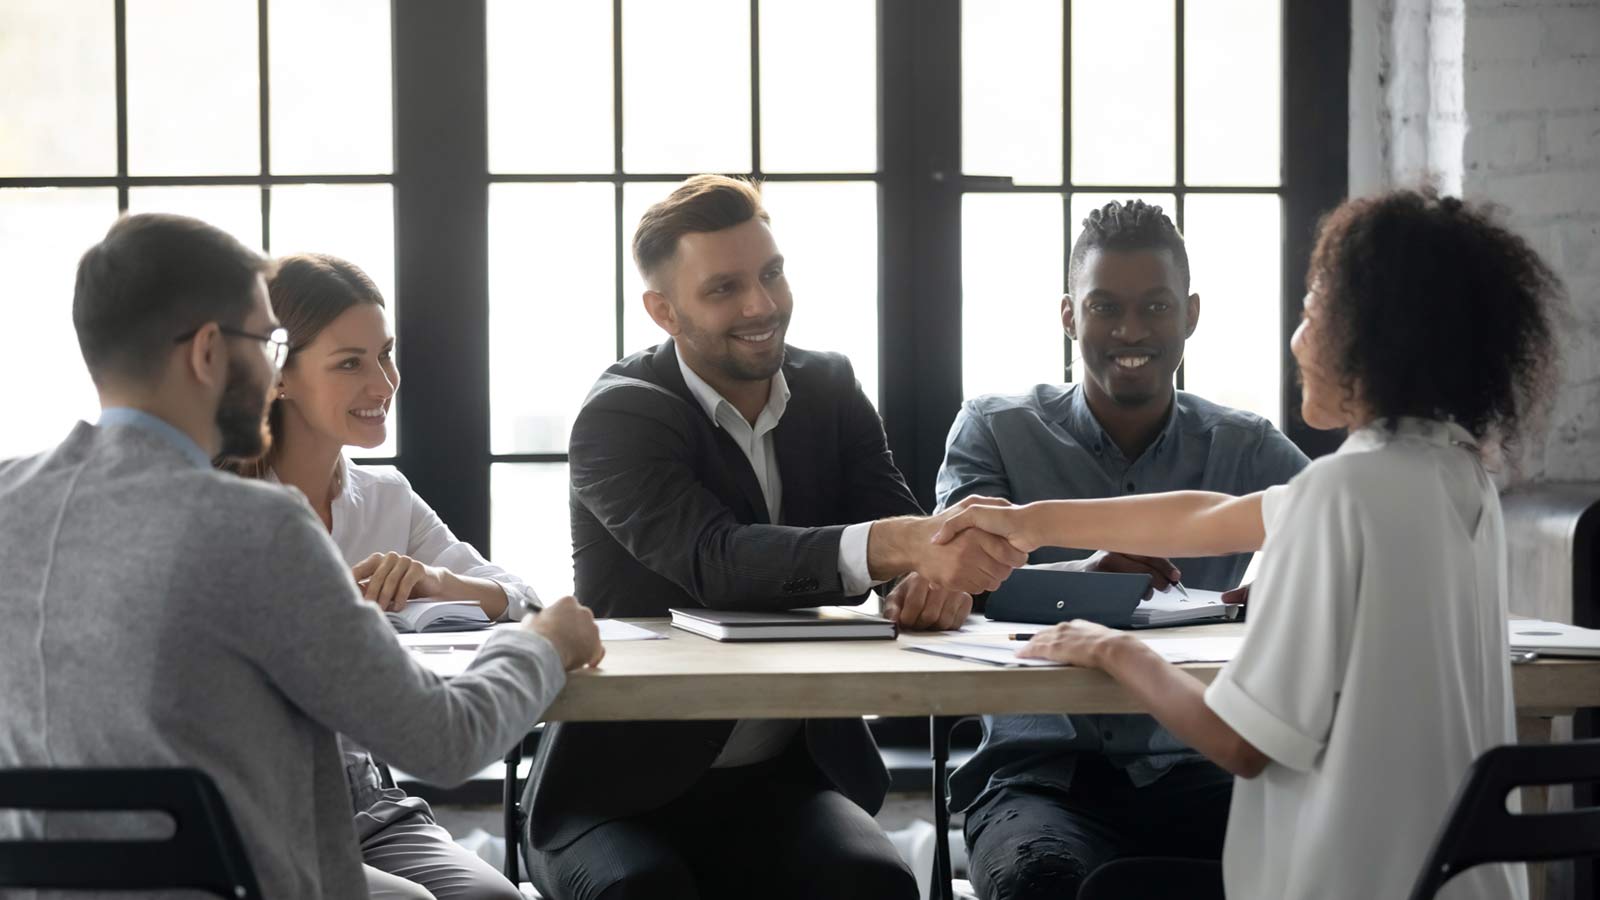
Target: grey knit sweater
(157, 613)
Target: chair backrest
(204, 852)
(1480, 830)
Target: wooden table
(690, 677)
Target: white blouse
(1373, 671)
(378, 512)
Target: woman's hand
(1076, 643)
(997, 517)
(391, 579)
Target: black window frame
(441, 184)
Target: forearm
(489, 595)
(1177, 700)
(1177, 524)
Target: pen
(1181, 589)
(1019, 637)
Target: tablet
(1047, 596)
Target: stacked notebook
(827, 623)
(1172, 607)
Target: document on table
(611, 630)
(1004, 653)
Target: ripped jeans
(1033, 843)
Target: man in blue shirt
(1050, 798)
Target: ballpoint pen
(1181, 589)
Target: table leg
(940, 728)
(511, 803)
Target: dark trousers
(775, 829)
(1155, 878)
(1025, 842)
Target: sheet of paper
(1195, 649)
(611, 630)
(616, 630)
(997, 653)
(978, 623)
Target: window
(925, 162)
(1068, 106)
(284, 140)
(595, 111)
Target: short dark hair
(1434, 310)
(1134, 225)
(153, 277)
(701, 204)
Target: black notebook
(827, 623)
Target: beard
(242, 415)
(733, 365)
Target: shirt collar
(1439, 432)
(711, 401)
(161, 428)
(1081, 423)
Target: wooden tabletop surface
(690, 677)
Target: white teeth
(763, 337)
(367, 413)
(1132, 362)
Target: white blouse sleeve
(1281, 690)
(432, 543)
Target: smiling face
(342, 384)
(1128, 311)
(726, 301)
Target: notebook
(423, 616)
(1553, 638)
(827, 623)
(1171, 607)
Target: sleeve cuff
(520, 600)
(853, 571)
(1280, 741)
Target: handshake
(970, 548)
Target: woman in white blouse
(1374, 668)
(335, 391)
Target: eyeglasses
(275, 345)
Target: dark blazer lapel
(664, 363)
(795, 443)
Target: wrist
(1116, 652)
(891, 550)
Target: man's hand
(917, 605)
(991, 516)
(1163, 574)
(1239, 595)
(392, 579)
(569, 627)
(972, 562)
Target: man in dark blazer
(724, 469)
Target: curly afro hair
(1436, 311)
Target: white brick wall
(1532, 91)
(1499, 101)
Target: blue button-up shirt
(113, 416)
(1047, 445)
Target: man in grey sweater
(160, 613)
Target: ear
(1193, 315)
(661, 312)
(1069, 322)
(206, 360)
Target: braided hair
(1134, 225)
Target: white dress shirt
(755, 740)
(1373, 671)
(376, 511)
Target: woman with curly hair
(1374, 669)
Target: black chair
(941, 729)
(1479, 830)
(204, 852)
